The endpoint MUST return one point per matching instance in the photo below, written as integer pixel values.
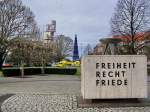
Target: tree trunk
(132, 48)
(22, 69)
(1, 63)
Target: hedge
(38, 70)
(56, 70)
(11, 71)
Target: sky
(89, 19)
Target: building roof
(138, 37)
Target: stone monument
(114, 76)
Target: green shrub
(38, 70)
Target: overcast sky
(89, 19)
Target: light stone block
(130, 70)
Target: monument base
(111, 103)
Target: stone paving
(55, 103)
(49, 94)
(51, 84)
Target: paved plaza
(49, 93)
(47, 84)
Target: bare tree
(144, 46)
(30, 53)
(15, 21)
(63, 47)
(88, 50)
(131, 17)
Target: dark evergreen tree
(75, 50)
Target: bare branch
(131, 17)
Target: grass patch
(78, 73)
(1, 73)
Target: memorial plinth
(114, 76)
